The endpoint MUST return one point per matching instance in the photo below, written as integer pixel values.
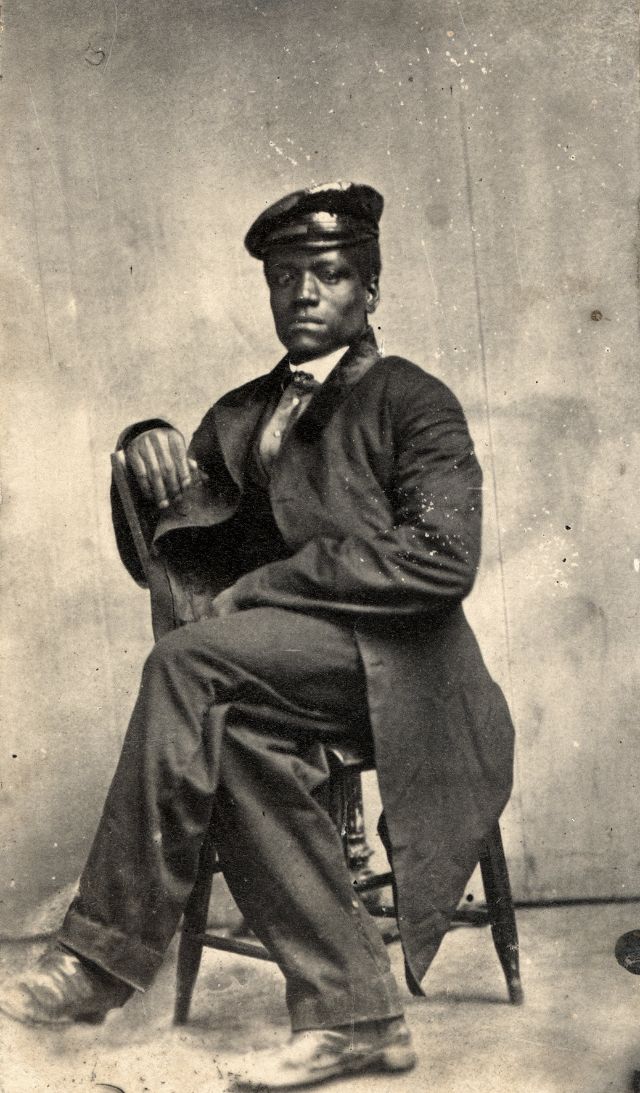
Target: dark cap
(337, 214)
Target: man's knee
(173, 652)
(192, 654)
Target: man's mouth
(305, 320)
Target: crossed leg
(226, 735)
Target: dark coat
(377, 496)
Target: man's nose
(307, 288)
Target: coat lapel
(237, 416)
(350, 369)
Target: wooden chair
(344, 801)
(345, 791)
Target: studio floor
(578, 1032)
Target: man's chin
(303, 347)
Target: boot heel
(91, 1018)
(398, 1057)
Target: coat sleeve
(146, 510)
(204, 448)
(425, 561)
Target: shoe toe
(306, 1058)
(19, 1005)
(58, 990)
(318, 1055)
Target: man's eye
(279, 279)
(330, 276)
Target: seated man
(340, 533)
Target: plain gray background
(139, 141)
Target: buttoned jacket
(376, 493)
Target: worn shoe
(316, 1055)
(61, 989)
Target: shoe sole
(398, 1057)
(392, 1059)
(27, 1019)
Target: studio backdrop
(140, 138)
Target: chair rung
(467, 916)
(383, 911)
(370, 883)
(229, 945)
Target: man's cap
(336, 214)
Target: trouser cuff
(126, 958)
(332, 1010)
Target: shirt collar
(320, 367)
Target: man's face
(318, 299)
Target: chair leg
(357, 848)
(342, 798)
(190, 948)
(495, 878)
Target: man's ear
(373, 296)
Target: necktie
(303, 381)
(294, 399)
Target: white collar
(320, 367)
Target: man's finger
(197, 474)
(138, 467)
(154, 474)
(178, 451)
(160, 446)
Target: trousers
(226, 739)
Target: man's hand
(158, 459)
